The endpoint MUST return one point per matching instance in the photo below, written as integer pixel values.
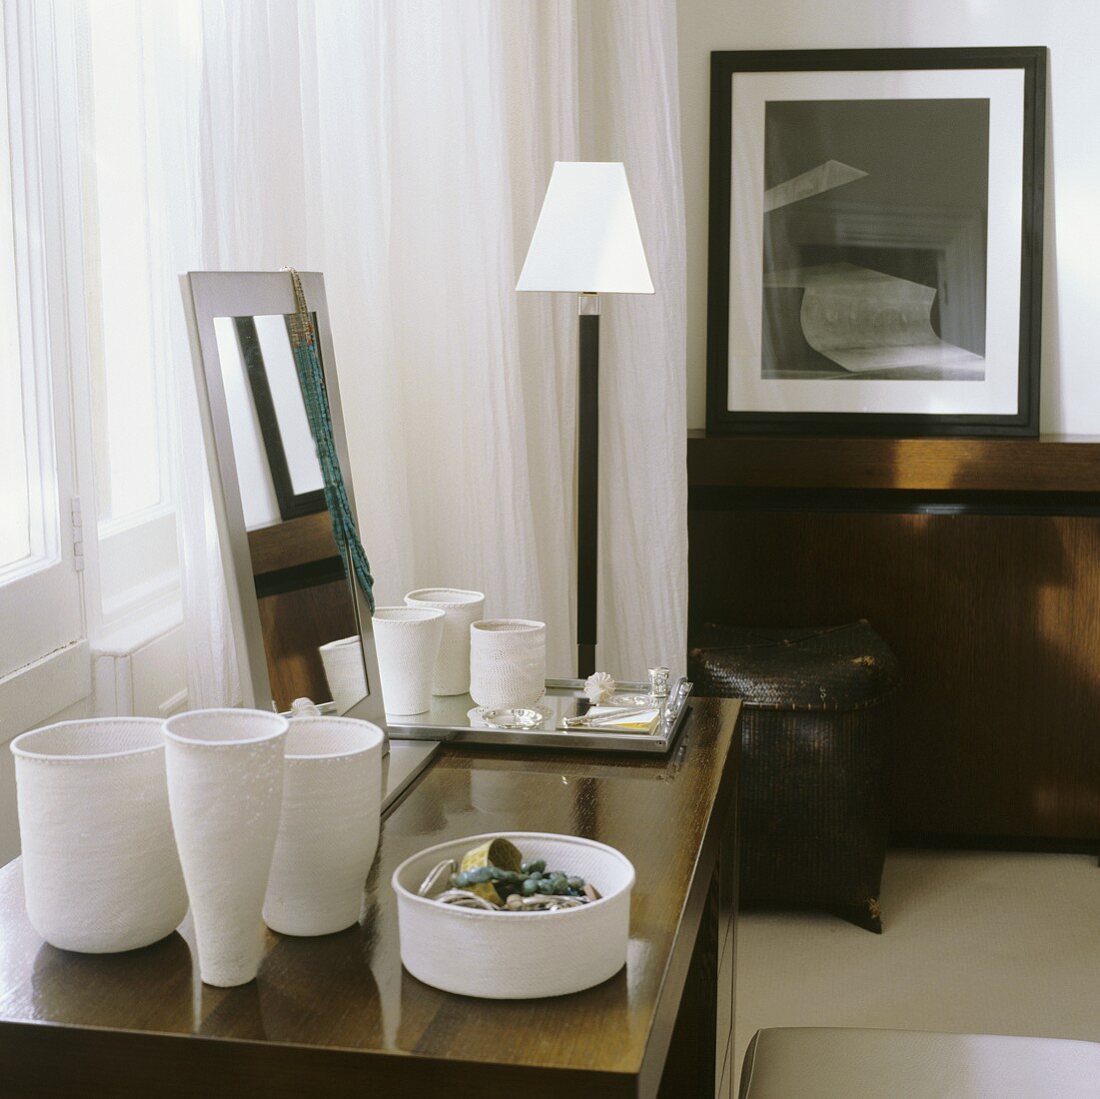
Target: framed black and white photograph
(876, 241)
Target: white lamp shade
(587, 239)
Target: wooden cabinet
(728, 864)
(978, 560)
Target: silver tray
(454, 718)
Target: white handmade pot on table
(328, 831)
(100, 869)
(507, 662)
(343, 664)
(460, 609)
(407, 641)
(225, 790)
(517, 955)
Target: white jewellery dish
(517, 955)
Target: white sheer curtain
(403, 149)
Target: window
(40, 594)
(127, 405)
(80, 386)
(138, 563)
(15, 485)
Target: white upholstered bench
(841, 1063)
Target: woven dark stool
(813, 769)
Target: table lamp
(587, 242)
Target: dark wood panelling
(1047, 464)
(301, 604)
(294, 624)
(337, 1015)
(296, 542)
(995, 619)
(689, 1069)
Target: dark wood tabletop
(337, 1015)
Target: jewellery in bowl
(518, 886)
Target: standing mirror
(298, 619)
(301, 623)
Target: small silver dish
(514, 717)
(631, 700)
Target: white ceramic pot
(343, 663)
(507, 662)
(407, 640)
(328, 831)
(460, 609)
(517, 955)
(225, 790)
(100, 869)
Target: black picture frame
(292, 505)
(725, 420)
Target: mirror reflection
(306, 605)
(273, 411)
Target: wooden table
(337, 1015)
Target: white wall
(1070, 400)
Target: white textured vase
(225, 790)
(460, 609)
(100, 869)
(343, 664)
(407, 641)
(507, 662)
(328, 831)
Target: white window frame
(41, 604)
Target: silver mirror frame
(211, 294)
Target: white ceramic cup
(328, 830)
(407, 640)
(100, 868)
(225, 790)
(460, 609)
(507, 662)
(343, 663)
